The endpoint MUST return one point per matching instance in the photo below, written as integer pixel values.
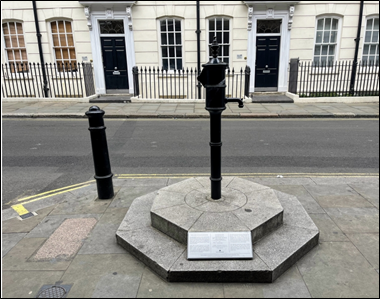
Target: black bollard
(213, 78)
(103, 174)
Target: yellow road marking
(145, 176)
(54, 191)
(20, 209)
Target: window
(326, 41)
(269, 26)
(15, 46)
(220, 27)
(171, 44)
(63, 45)
(371, 42)
(111, 27)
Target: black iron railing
(335, 79)
(156, 83)
(69, 80)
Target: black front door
(267, 62)
(115, 62)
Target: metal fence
(22, 80)
(335, 79)
(156, 83)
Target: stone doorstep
(273, 254)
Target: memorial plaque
(219, 246)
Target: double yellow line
(21, 210)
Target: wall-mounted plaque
(219, 246)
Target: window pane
(163, 26)
(177, 25)
(319, 37)
(164, 52)
(376, 24)
(68, 27)
(330, 60)
(212, 24)
(226, 60)
(226, 50)
(320, 24)
(171, 38)
(61, 27)
(366, 49)
(179, 64)
(172, 64)
(70, 40)
(335, 24)
(226, 37)
(164, 39)
(324, 50)
(328, 24)
(371, 59)
(54, 27)
(58, 54)
(372, 50)
(12, 28)
(171, 52)
(17, 55)
(72, 54)
(19, 28)
(14, 41)
(112, 27)
(369, 24)
(368, 36)
(55, 41)
(65, 53)
(334, 35)
(62, 39)
(365, 59)
(375, 37)
(165, 63)
(219, 37)
(332, 50)
(7, 41)
(326, 37)
(317, 50)
(170, 25)
(211, 37)
(179, 51)
(5, 28)
(219, 24)
(10, 55)
(324, 60)
(178, 39)
(21, 41)
(226, 24)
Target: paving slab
(368, 190)
(289, 285)
(355, 220)
(28, 282)
(368, 245)
(91, 275)
(9, 241)
(329, 231)
(328, 273)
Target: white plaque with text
(214, 246)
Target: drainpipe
(198, 32)
(357, 40)
(46, 89)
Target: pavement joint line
(54, 192)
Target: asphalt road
(44, 155)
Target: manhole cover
(52, 292)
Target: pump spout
(235, 100)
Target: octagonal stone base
(244, 207)
(156, 225)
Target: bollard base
(105, 187)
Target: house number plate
(219, 246)
(266, 72)
(117, 73)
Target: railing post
(247, 80)
(293, 75)
(103, 174)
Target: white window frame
(169, 70)
(336, 44)
(60, 47)
(18, 48)
(371, 43)
(209, 42)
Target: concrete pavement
(70, 244)
(190, 110)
